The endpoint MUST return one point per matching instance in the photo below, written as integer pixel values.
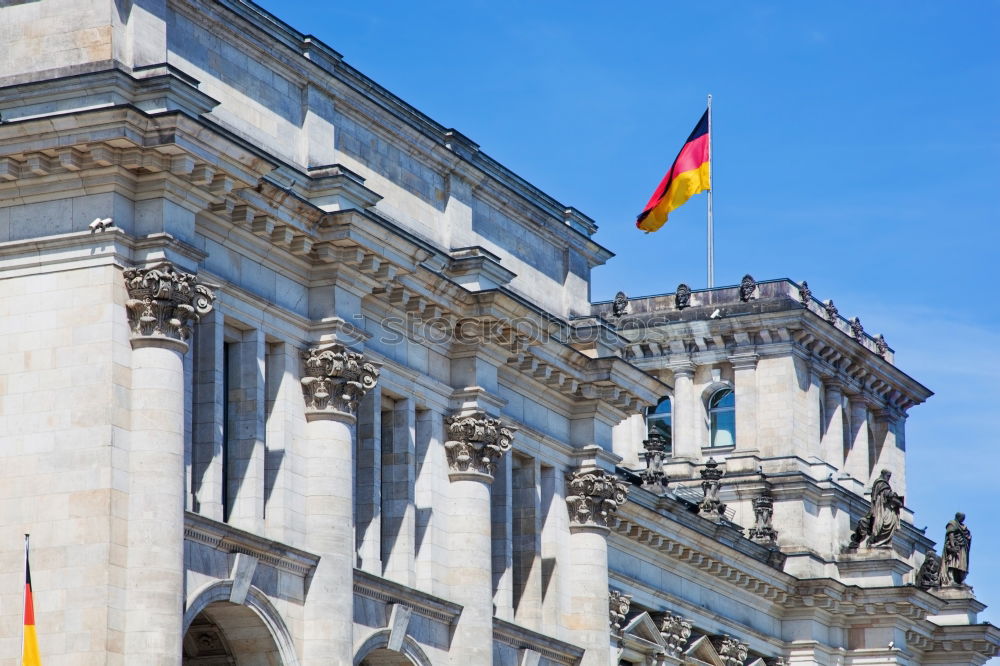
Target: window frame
(714, 411)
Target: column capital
(476, 442)
(334, 380)
(593, 497)
(162, 302)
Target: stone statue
(682, 297)
(878, 526)
(619, 306)
(831, 311)
(857, 330)
(882, 346)
(957, 541)
(747, 287)
(929, 574)
(805, 294)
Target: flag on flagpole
(29, 641)
(688, 176)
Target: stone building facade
(292, 374)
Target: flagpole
(711, 188)
(24, 596)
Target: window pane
(723, 427)
(662, 407)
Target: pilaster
(857, 462)
(832, 442)
(745, 388)
(686, 409)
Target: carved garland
(162, 301)
(335, 379)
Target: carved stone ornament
(335, 379)
(882, 346)
(929, 574)
(654, 451)
(711, 507)
(476, 442)
(857, 330)
(682, 297)
(619, 306)
(676, 631)
(763, 511)
(162, 302)
(747, 287)
(805, 294)
(593, 497)
(831, 311)
(732, 651)
(618, 605)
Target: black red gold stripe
(688, 175)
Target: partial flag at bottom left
(29, 649)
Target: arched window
(722, 414)
(658, 421)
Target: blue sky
(856, 146)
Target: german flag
(687, 176)
(29, 640)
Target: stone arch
(260, 627)
(375, 649)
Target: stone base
(962, 608)
(871, 567)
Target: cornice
(388, 592)
(551, 649)
(228, 539)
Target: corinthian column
(162, 302)
(334, 380)
(475, 444)
(593, 497)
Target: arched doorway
(225, 634)
(218, 632)
(375, 651)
